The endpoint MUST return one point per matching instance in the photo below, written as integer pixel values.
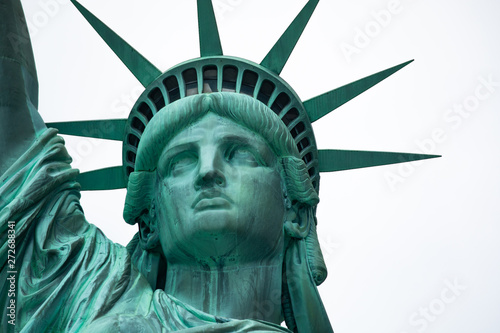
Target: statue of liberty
(222, 175)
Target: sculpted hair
(241, 109)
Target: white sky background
(389, 249)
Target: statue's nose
(210, 172)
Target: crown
(215, 72)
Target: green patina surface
(222, 174)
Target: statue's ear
(296, 221)
(148, 229)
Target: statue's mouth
(211, 199)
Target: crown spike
(322, 105)
(276, 59)
(209, 34)
(111, 178)
(111, 129)
(339, 160)
(142, 69)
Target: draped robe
(70, 277)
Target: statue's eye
(182, 163)
(243, 156)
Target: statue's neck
(239, 292)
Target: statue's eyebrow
(237, 139)
(179, 147)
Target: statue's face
(219, 195)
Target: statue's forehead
(213, 125)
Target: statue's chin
(212, 224)
(221, 236)
(223, 242)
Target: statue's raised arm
(20, 122)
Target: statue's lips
(212, 199)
